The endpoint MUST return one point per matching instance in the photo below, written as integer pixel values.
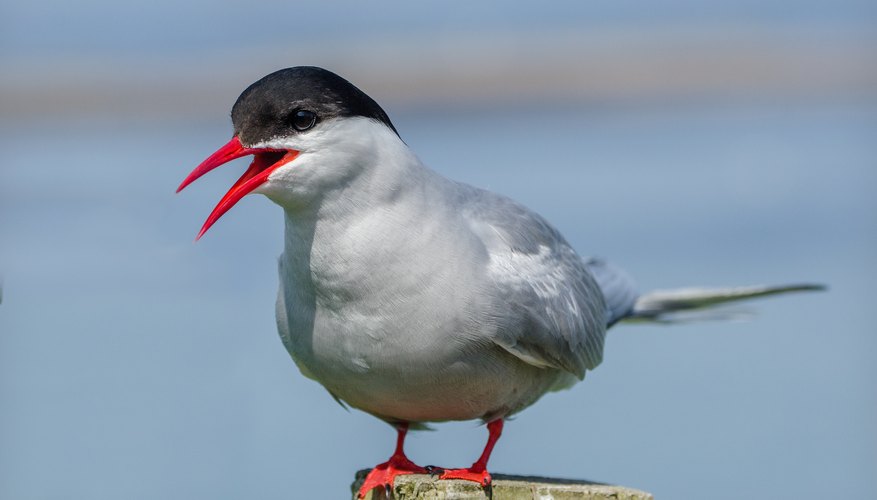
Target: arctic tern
(408, 295)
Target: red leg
(478, 472)
(384, 474)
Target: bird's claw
(432, 470)
(476, 475)
(384, 475)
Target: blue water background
(135, 363)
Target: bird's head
(306, 128)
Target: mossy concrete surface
(505, 487)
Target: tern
(410, 296)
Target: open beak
(264, 162)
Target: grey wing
(618, 288)
(550, 310)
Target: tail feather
(683, 304)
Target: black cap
(269, 107)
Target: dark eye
(303, 120)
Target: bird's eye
(303, 120)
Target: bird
(413, 297)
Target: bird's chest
(367, 303)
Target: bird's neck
(334, 232)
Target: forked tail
(625, 303)
(685, 304)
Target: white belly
(393, 355)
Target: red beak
(265, 161)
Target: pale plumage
(416, 298)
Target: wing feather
(550, 310)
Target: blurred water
(162, 27)
(136, 364)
